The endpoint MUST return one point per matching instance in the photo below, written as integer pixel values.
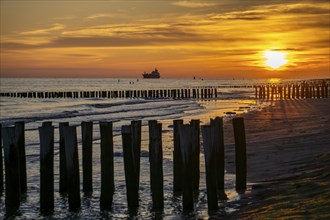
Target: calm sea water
(122, 111)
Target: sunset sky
(209, 39)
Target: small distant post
(13, 189)
(240, 153)
(63, 175)
(20, 142)
(156, 165)
(187, 175)
(46, 123)
(87, 155)
(177, 159)
(268, 91)
(1, 163)
(131, 175)
(72, 165)
(293, 91)
(46, 135)
(210, 167)
(107, 166)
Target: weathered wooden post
(46, 135)
(186, 153)
(11, 155)
(326, 90)
(280, 91)
(72, 165)
(46, 123)
(317, 91)
(218, 138)
(136, 142)
(196, 145)
(156, 165)
(210, 166)
(63, 185)
(322, 90)
(87, 155)
(268, 91)
(240, 153)
(20, 142)
(177, 159)
(131, 175)
(1, 163)
(107, 166)
(293, 91)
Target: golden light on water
(274, 80)
(275, 59)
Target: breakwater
(186, 163)
(285, 90)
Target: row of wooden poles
(159, 93)
(292, 91)
(186, 162)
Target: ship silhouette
(153, 75)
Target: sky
(207, 39)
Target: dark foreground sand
(288, 149)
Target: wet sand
(288, 150)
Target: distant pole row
(198, 93)
(293, 91)
(186, 163)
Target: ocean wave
(118, 111)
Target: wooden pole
(87, 155)
(72, 165)
(131, 176)
(156, 165)
(177, 159)
(210, 166)
(46, 135)
(217, 128)
(1, 163)
(63, 175)
(107, 166)
(240, 153)
(11, 155)
(136, 148)
(195, 141)
(185, 132)
(20, 142)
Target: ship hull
(148, 76)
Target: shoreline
(288, 160)
(275, 131)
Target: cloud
(320, 9)
(98, 16)
(45, 31)
(191, 4)
(70, 17)
(252, 29)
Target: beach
(288, 157)
(283, 139)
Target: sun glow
(275, 59)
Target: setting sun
(275, 59)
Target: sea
(231, 100)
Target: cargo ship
(153, 75)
